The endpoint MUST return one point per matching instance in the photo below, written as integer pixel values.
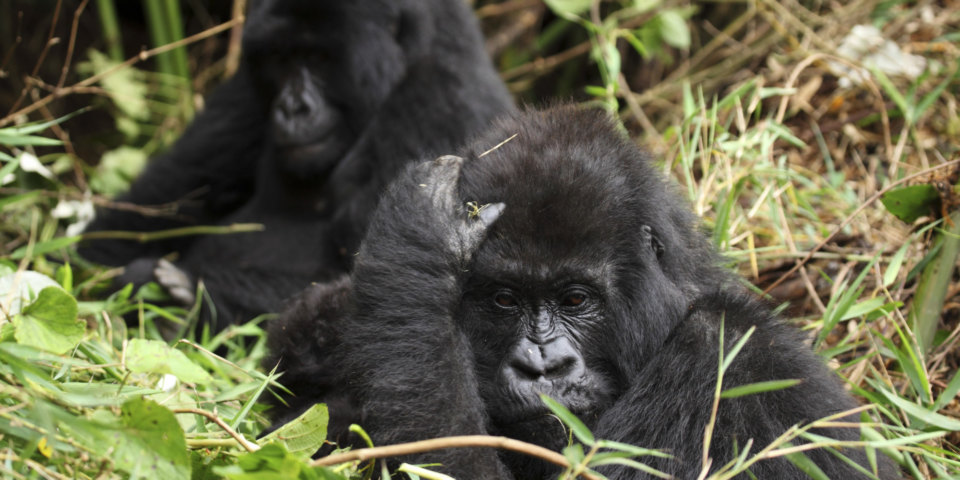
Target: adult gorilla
(331, 98)
(593, 287)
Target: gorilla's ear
(650, 238)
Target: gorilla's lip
(327, 146)
(539, 412)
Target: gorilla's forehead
(504, 261)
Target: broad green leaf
(911, 202)
(674, 30)
(50, 322)
(160, 448)
(579, 429)
(303, 435)
(28, 285)
(146, 441)
(154, 356)
(758, 387)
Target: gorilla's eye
(573, 299)
(505, 300)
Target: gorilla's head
(590, 241)
(327, 67)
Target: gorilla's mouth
(527, 406)
(331, 146)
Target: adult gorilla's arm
(412, 366)
(208, 172)
(686, 366)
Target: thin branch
(71, 43)
(476, 441)
(236, 34)
(51, 41)
(144, 237)
(246, 444)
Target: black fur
(593, 266)
(331, 99)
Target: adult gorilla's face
(324, 68)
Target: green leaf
(117, 169)
(735, 350)
(50, 323)
(566, 8)
(154, 356)
(42, 248)
(579, 429)
(893, 269)
(922, 414)
(863, 308)
(27, 140)
(303, 435)
(807, 466)
(758, 387)
(911, 202)
(27, 283)
(273, 462)
(161, 450)
(674, 30)
(146, 441)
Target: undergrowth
(830, 188)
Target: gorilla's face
(537, 321)
(532, 339)
(324, 69)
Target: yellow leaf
(45, 449)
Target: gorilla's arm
(409, 361)
(303, 343)
(686, 366)
(442, 126)
(208, 172)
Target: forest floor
(830, 187)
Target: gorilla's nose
(556, 359)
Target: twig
(869, 201)
(43, 54)
(246, 444)
(144, 237)
(71, 43)
(236, 34)
(17, 38)
(463, 441)
(61, 92)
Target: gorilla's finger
(490, 213)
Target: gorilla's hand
(465, 226)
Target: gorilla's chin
(309, 161)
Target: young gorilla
(330, 100)
(583, 277)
